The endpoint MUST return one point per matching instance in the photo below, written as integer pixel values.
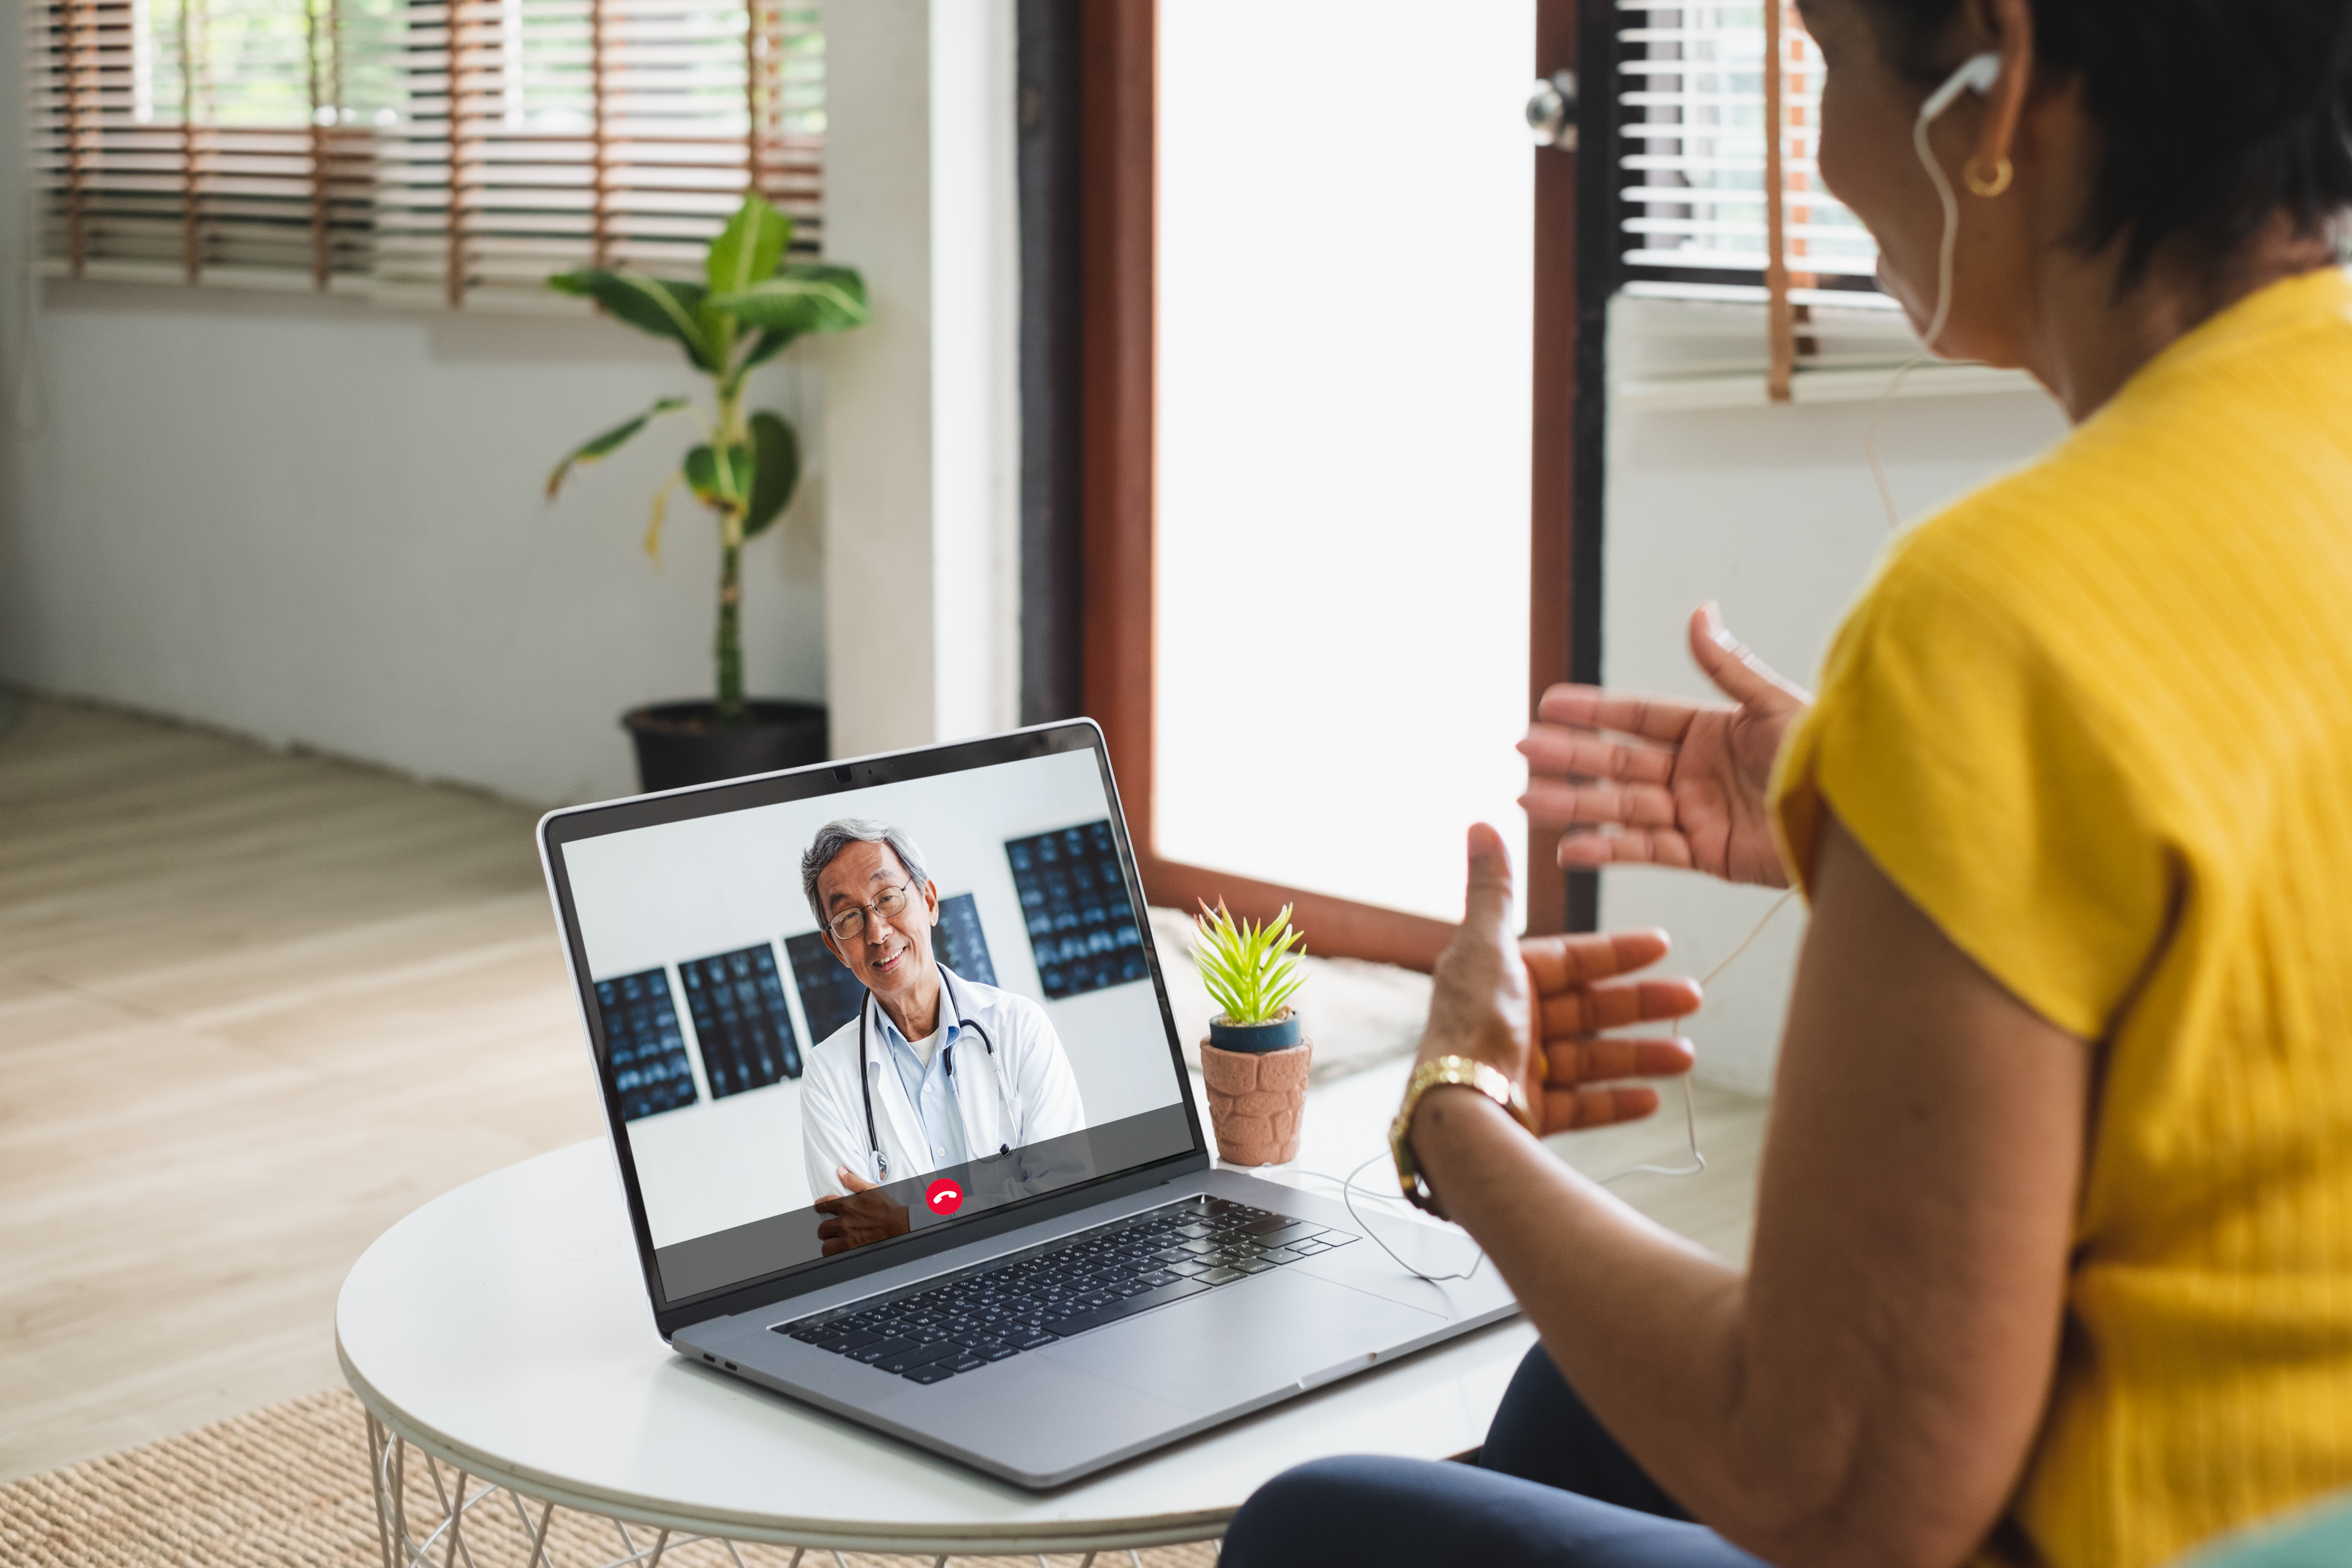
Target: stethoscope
(1004, 1102)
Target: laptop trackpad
(1246, 1341)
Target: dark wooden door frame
(1589, 32)
(1048, 140)
(1552, 573)
(1118, 210)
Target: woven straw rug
(289, 1485)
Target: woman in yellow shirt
(2052, 1261)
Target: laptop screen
(965, 1018)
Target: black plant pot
(1256, 1039)
(681, 743)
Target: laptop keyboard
(1066, 1287)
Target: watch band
(1467, 1073)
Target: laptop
(1007, 1242)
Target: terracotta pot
(1256, 1100)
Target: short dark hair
(2217, 114)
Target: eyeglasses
(850, 924)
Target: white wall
(1771, 511)
(922, 537)
(319, 520)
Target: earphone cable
(1697, 1161)
(1347, 1185)
(1870, 437)
(1944, 251)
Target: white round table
(501, 1331)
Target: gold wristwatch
(1468, 1073)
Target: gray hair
(840, 832)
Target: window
(1344, 448)
(1692, 112)
(458, 151)
(1476, 364)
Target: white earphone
(1977, 74)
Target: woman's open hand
(1534, 1008)
(1582, 1068)
(1658, 781)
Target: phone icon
(944, 1195)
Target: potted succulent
(1254, 1060)
(752, 306)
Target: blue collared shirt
(930, 1089)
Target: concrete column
(921, 421)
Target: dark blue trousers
(1550, 1486)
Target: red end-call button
(944, 1195)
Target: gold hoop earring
(1988, 186)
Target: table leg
(378, 1457)
(432, 1529)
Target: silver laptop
(1003, 1242)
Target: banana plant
(752, 307)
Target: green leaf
(1250, 971)
(654, 305)
(660, 511)
(715, 484)
(748, 249)
(806, 296)
(765, 347)
(777, 471)
(609, 441)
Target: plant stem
(731, 711)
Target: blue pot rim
(1256, 1039)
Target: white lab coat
(1036, 1087)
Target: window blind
(1695, 136)
(456, 150)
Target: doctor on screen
(935, 1069)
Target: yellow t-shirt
(2097, 721)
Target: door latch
(1551, 111)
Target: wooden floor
(256, 1007)
(253, 1009)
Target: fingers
(1632, 846)
(1486, 900)
(1480, 1004)
(1575, 1063)
(852, 1180)
(1551, 803)
(1574, 1009)
(1736, 672)
(1588, 1010)
(1628, 713)
(1556, 749)
(845, 1230)
(1565, 1111)
(1556, 963)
